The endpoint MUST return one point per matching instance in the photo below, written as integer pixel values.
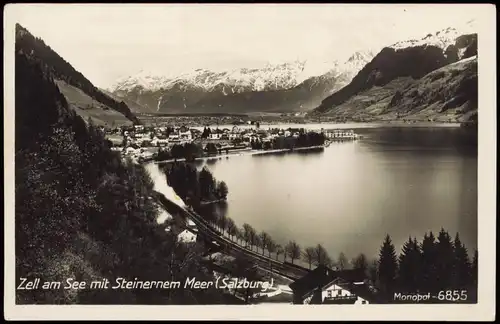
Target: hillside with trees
(36, 49)
(83, 213)
(432, 79)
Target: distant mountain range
(293, 86)
(410, 79)
(82, 96)
(434, 78)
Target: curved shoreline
(245, 153)
(353, 125)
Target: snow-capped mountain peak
(273, 76)
(441, 39)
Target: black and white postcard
(250, 161)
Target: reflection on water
(208, 161)
(312, 151)
(397, 181)
(198, 163)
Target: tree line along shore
(195, 150)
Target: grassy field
(86, 107)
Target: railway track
(205, 229)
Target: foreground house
(187, 236)
(326, 286)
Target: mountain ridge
(282, 87)
(396, 62)
(35, 49)
(280, 76)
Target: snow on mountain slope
(441, 39)
(274, 77)
(270, 77)
(289, 86)
(396, 65)
(446, 94)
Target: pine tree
(387, 267)
(474, 268)
(361, 263)
(474, 276)
(429, 256)
(462, 269)
(444, 261)
(373, 272)
(410, 266)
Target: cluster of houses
(131, 139)
(160, 136)
(249, 135)
(142, 142)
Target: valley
(432, 79)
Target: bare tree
(231, 227)
(241, 235)
(271, 246)
(320, 256)
(342, 261)
(247, 234)
(264, 238)
(238, 234)
(279, 250)
(308, 256)
(293, 250)
(253, 237)
(222, 220)
(258, 243)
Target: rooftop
(323, 275)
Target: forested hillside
(82, 213)
(37, 50)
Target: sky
(109, 41)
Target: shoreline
(245, 153)
(332, 125)
(350, 124)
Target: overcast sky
(106, 42)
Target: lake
(401, 181)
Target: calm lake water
(399, 181)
